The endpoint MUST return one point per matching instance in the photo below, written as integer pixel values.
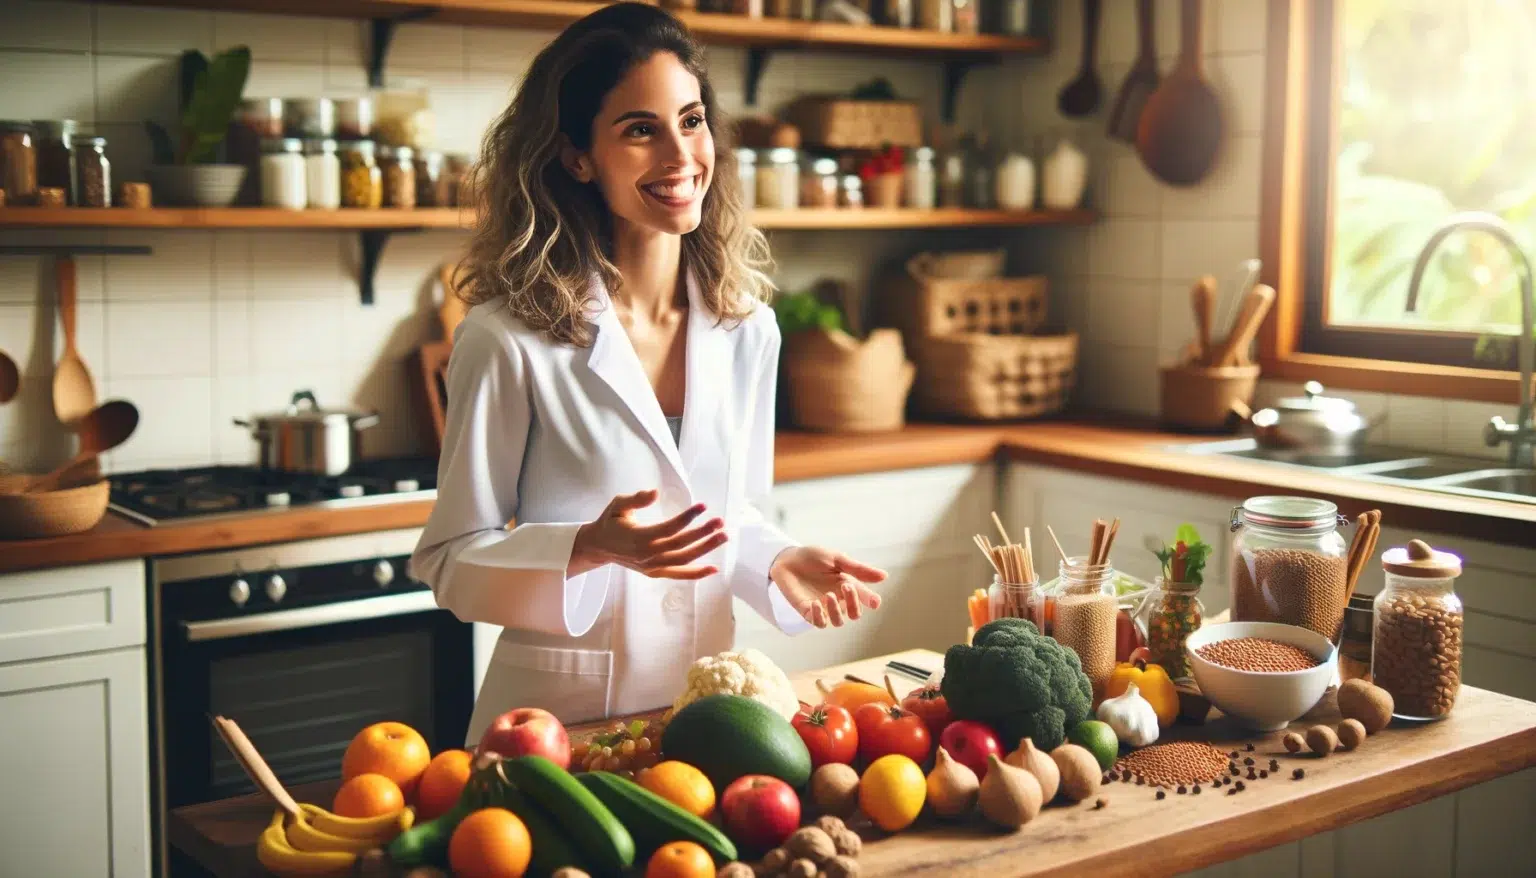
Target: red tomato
(828, 732)
(886, 729)
(928, 703)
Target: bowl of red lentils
(1265, 674)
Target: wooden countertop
(1105, 447)
(1486, 736)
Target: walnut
(841, 867)
(847, 842)
(801, 869)
(775, 860)
(811, 843)
(569, 872)
(735, 870)
(830, 824)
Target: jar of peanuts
(1416, 639)
(1085, 616)
(1287, 563)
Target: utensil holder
(1201, 399)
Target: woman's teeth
(674, 191)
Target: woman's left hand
(825, 586)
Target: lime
(1097, 738)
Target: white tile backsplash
(51, 85)
(1124, 248)
(271, 37)
(137, 30)
(180, 269)
(160, 339)
(45, 25)
(131, 89)
(175, 421)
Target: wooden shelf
(452, 218)
(715, 28)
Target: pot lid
(1314, 401)
(1418, 559)
(304, 409)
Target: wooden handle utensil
(255, 767)
(1234, 350)
(1203, 299)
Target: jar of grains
(746, 175)
(1086, 610)
(1288, 563)
(55, 155)
(778, 180)
(431, 183)
(18, 162)
(399, 169)
(322, 174)
(818, 185)
(283, 173)
(362, 184)
(456, 171)
(93, 172)
(1171, 612)
(1416, 641)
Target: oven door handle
(311, 617)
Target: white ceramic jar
(283, 174)
(1016, 182)
(921, 180)
(1066, 176)
(322, 174)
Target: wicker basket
(838, 384)
(1201, 399)
(841, 123)
(994, 377)
(31, 516)
(949, 305)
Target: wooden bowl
(1201, 399)
(25, 516)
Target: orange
(442, 783)
(394, 750)
(368, 795)
(682, 785)
(680, 859)
(490, 843)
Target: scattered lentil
(1294, 586)
(1258, 654)
(1177, 762)
(1416, 653)
(1293, 742)
(1298, 774)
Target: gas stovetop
(159, 496)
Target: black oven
(303, 645)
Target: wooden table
(1488, 735)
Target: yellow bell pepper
(1153, 683)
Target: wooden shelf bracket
(382, 31)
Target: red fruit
(759, 812)
(527, 731)
(970, 743)
(828, 732)
(930, 704)
(1127, 636)
(886, 729)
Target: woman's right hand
(662, 551)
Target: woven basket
(994, 377)
(949, 305)
(31, 516)
(1202, 399)
(841, 123)
(838, 384)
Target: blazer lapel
(706, 435)
(613, 360)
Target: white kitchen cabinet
(76, 765)
(1484, 830)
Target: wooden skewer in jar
(1086, 606)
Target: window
(1395, 115)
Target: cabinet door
(76, 766)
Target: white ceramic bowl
(1267, 701)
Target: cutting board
(429, 387)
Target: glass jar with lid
(778, 179)
(1416, 640)
(354, 117)
(853, 191)
(283, 181)
(55, 155)
(1085, 616)
(1169, 613)
(93, 171)
(309, 118)
(1017, 600)
(921, 179)
(18, 162)
(362, 183)
(819, 183)
(432, 186)
(1288, 563)
(322, 174)
(398, 164)
(746, 175)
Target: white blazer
(547, 434)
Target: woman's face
(652, 153)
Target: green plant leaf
(161, 146)
(211, 105)
(1186, 534)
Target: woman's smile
(677, 191)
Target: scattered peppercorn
(1195, 789)
(1239, 786)
(1182, 789)
(1232, 792)
(1161, 795)
(1140, 781)
(1274, 765)
(1125, 778)
(1234, 769)
(1105, 779)
(1252, 775)
(1233, 754)
(1249, 748)
(1100, 802)
(1248, 760)
(1298, 774)
(1263, 773)
(1114, 775)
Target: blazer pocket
(570, 683)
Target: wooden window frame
(1293, 182)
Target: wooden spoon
(255, 767)
(1180, 129)
(74, 393)
(1255, 306)
(105, 428)
(1081, 96)
(1203, 298)
(1139, 83)
(10, 378)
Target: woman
(612, 390)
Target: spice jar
(93, 172)
(1170, 613)
(1355, 641)
(55, 155)
(936, 15)
(456, 170)
(397, 162)
(18, 163)
(309, 117)
(1086, 611)
(778, 180)
(1287, 563)
(818, 187)
(431, 187)
(1416, 641)
(1016, 182)
(262, 117)
(952, 174)
(362, 184)
(256, 121)
(354, 118)
(746, 175)
(283, 173)
(853, 191)
(322, 174)
(921, 180)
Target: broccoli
(1020, 682)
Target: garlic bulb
(1133, 717)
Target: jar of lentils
(398, 163)
(93, 172)
(1417, 636)
(55, 155)
(18, 162)
(433, 186)
(362, 183)
(1287, 563)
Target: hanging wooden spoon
(103, 429)
(1139, 83)
(10, 378)
(1081, 96)
(1180, 129)
(74, 393)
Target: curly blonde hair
(540, 234)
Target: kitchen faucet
(1521, 434)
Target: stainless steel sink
(1497, 481)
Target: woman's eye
(643, 129)
(694, 121)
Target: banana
(381, 829)
(279, 857)
(303, 835)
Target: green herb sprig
(1185, 560)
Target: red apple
(759, 811)
(970, 743)
(527, 731)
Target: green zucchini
(426, 843)
(652, 820)
(586, 820)
(551, 848)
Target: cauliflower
(748, 673)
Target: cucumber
(551, 849)
(586, 820)
(652, 820)
(426, 844)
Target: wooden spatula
(74, 393)
(1202, 298)
(255, 767)
(1234, 351)
(1139, 83)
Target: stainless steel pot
(305, 438)
(1312, 424)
